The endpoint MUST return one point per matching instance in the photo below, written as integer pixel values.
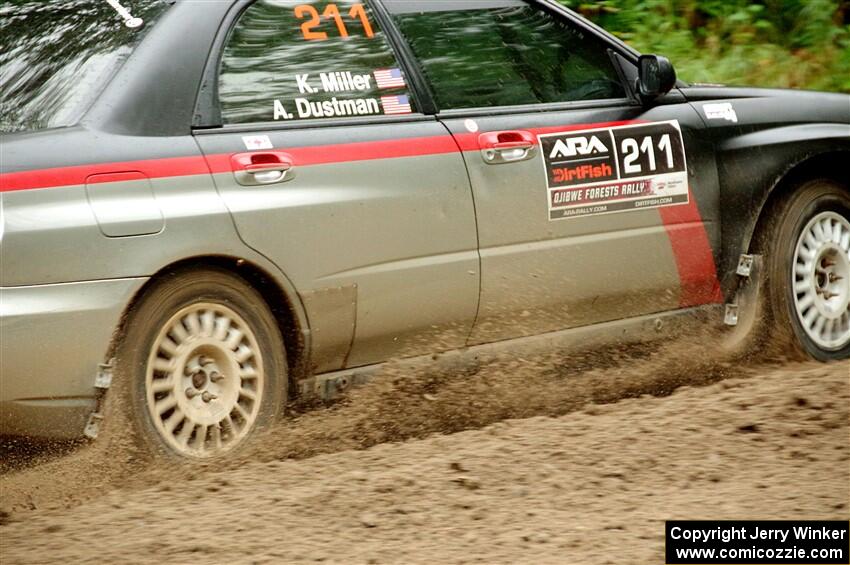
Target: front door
(590, 207)
(330, 170)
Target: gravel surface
(590, 481)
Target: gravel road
(589, 479)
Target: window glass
(488, 53)
(291, 60)
(56, 57)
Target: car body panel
(540, 275)
(52, 233)
(124, 204)
(777, 129)
(385, 210)
(51, 331)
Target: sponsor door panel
(618, 169)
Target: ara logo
(575, 146)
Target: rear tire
(806, 246)
(201, 367)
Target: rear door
(590, 207)
(330, 169)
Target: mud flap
(102, 382)
(743, 314)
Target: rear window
(291, 60)
(56, 57)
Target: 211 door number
(331, 12)
(649, 150)
(632, 152)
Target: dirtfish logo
(575, 146)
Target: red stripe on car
(351, 152)
(469, 141)
(694, 258)
(76, 175)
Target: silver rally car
(204, 204)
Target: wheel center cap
(832, 281)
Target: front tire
(807, 253)
(203, 365)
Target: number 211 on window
(331, 12)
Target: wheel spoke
(818, 326)
(215, 436)
(168, 346)
(163, 365)
(162, 385)
(193, 323)
(222, 326)
(242, 412)
(165, 404)
(200, 437)
(811, 242)
(810, 317)
(807, 254)
(243, 354)
(173, 421)
(230, 425)
(185, 432)
(817, 231)
(837, 232)
(207, 323)
(829, 329)
(178, 332)
(803, 270)
(234, 339)
(806, 302)
(802, 287)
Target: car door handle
(499, 147)
(262, 168)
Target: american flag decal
(389, 78)
(396, 105)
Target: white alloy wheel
(821, 279)
(204, 380)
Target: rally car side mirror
(656, 77)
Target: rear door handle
(499, 147)
(262, 168)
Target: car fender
(753, 166)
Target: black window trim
(207, 115)
(207, 106)
(315, 123)
(208, 118)
(412, 70)
(537, 108)
(613, 45)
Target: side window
(484, 53)
(288, 60)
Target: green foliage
(784, 43)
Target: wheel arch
(826, 165)
(277, 292)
